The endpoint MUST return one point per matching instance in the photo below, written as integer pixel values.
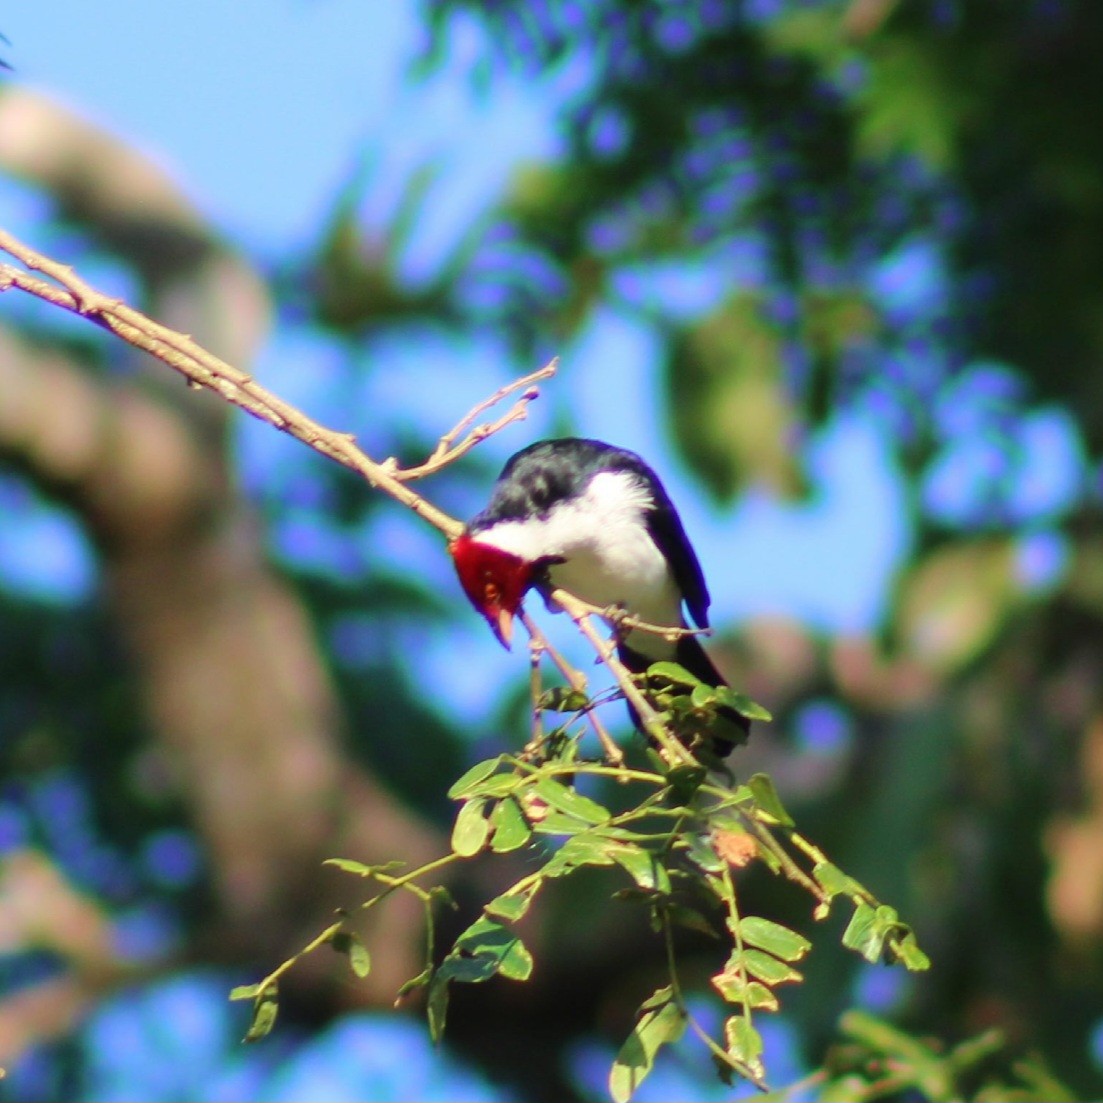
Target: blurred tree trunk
(238, 697)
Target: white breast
(610, 558)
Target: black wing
(665, 528)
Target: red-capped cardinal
(596, 521)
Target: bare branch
(577, 681)
(620, 620)
(203, 369)
(580, 613)
(447, 451)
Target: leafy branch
(671, 838)
(672, 832)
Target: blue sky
(262, 108)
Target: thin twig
(447, 451)
(536, 653)
(202, 368)
(577, 681)
(670, 747)
(619, 620)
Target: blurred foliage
(877, 1061)
(891, 210)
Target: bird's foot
(615, 615)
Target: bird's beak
(503, 627)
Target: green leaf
(438, 894)
(572, 803)
(684, 781)
(245, 992)
(643, 867)
(584, 849)
(703, 696)
(512, 905)
(658, 998)
(655, 1028)
(471, 830)
(488, 939)
(690, 918)
(762, 786)
(511, 829)
(735, 989)
(767, 968)
(909, 954)
(672, 672)
(743, 1043)
(349, 866)
(469, 970)
(265, 1011)
(774, 938)
(350, 944)
(470, 778)
(833, 881)
(362, 870)
(562, 699)
(864, 933)
(414, 983)
(742, 704)
(498, 785)
(559, 823)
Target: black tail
(690, 654)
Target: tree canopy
(822, 214)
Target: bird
(594, 520)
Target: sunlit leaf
(702, 855)
(658, 1026)
(585, 849)
(910, 955)
(762, 786)
(735, 989)
(512, 905)
(742, 704)
(767, 968)
(774, 938)
(702, 696)
(743, 1042)
(511, 829)
(487, 940)
(568, 801)
(471, 829)
(265, 1011)
(347, 865)
(864, 934)
(471, 778)
(672, 672)
(414, 983)
(833, 881)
